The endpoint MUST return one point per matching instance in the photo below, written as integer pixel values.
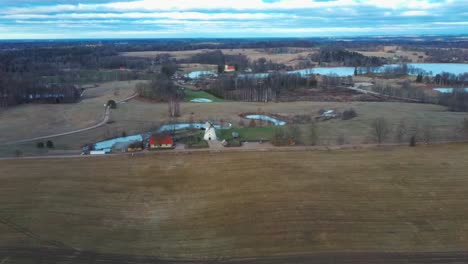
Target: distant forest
(53, 71)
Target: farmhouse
(161, 142)
(229, 68)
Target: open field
(212, 205)
(139, 116)
(414, 56)
(355, 131)
(289, 58)
(191, 67)
(33, 120)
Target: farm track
(67, 256)
(384, 96)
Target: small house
(229, 68)
(161, 142)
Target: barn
(161, 142)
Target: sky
(70, 19)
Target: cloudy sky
(26, 19)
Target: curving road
(101, 123)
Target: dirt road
(104, 120)
(383, 96)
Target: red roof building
(229, 68)
(161, 141)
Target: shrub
(18, 153)
(252, 123)
(349, 114)
(241, 123)
(40, 145)
(50, 144)
(112, 104)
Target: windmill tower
(210, 132)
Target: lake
(447, 90)
(430, 68)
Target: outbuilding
(210, 132)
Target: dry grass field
(414, 56)
(357, 130)
(138, 116)
(209, 205)
(253, 54)
(34, 120)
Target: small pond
(275, 121)
(448, 90)
(109, 144)
(198, 74)
(181, 126)
(201, 100)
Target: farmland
(290, 58)
(139, 116)
(214, 205)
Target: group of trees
(258, 89)
(405, 90)
(239, 61)
(411, 133)
(445, 79)
(162, 89)
(25, 88)
(456, 101)
(342, 57)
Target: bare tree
(241, 123)
(174, 107)
(294, 133)
(380, 129)
(464, 128)
(313, 134)
(401, 131)
(427, 134)
(341, 140)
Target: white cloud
(168, 15)
(414, 13)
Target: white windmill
(210, 132)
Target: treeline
(457, 101)
(364, 43)
(259, 89)
(50, 61)
(19, 89)
(342, 57)
(239, 61)
(446, 79)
